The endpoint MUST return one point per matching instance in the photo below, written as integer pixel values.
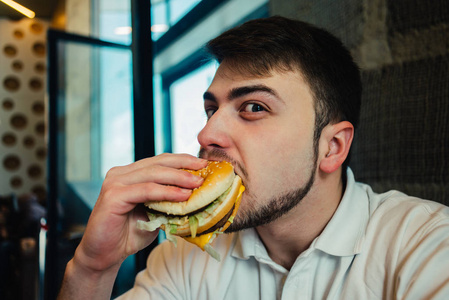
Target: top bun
(218, 177)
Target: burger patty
(220, 223)
(155, 212)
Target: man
(282, 109)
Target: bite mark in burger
(208, 212)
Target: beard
(274, 209)
(277, 206)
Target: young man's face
(265, 127)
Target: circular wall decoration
(39, 67)
(11, 83)
(19, 121)
(39, 49)
(7, 104)
(41, 153)
(9, 139)
(35, 84)
(11, 162)
(34, 171)
(38, 108)
(18, 34)
(23, 48)
(16, 182)
(40, 128)
(29, 142)
(36, 28)
(10, 50)
(17, 65)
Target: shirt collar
(248, 244)
(343, 235)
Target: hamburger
(208, 212)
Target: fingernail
(199, 179)
(186, 191)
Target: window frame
(55, 168)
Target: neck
(290, 235)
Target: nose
(217, 132)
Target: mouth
(217, 154)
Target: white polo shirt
(376, 246)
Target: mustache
(221, 154)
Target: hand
(111, 234)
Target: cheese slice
(202, 240)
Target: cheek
(276, 156)
(278, 168)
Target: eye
(210, 111)
(252, 107)
(253, 111)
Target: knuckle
(109, 181)
(187, 176)
(148, 189)
(164, 155)
(107, 194)
(111, 172)
(149, 172)
(110, 190)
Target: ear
(336, 140)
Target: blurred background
(90, 84)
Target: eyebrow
(243, 91)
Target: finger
(144, 192)
(177, 161)
(140, 238)
(121, 200)
(181, 161)
(161, 175)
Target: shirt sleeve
(423, 270)
(161, 279)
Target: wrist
(84, 282)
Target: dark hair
(259, 47)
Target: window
(112, 20)
(97, 110)
(111, 90)
(187, 109)
(116, 141)
(165, 13)
(90, 113)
